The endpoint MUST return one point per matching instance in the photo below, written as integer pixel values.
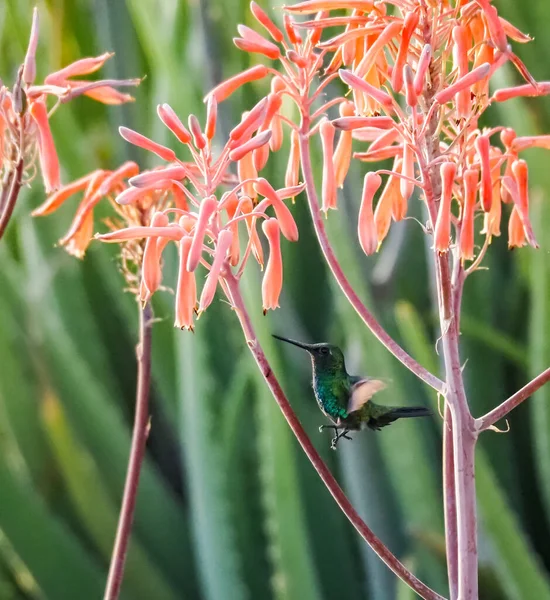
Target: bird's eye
(324, 350)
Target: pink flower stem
(464, 439)
(235, 297)
(503, 409)
(10, 193)
(137, 453)
(368, 318)
(449, 503)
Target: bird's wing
(363, 391)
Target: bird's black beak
(307, 347)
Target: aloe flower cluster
(204, 221)
(25, 132)
(419, 82)
(416, 82)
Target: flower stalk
(137, 454)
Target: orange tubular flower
(186, 291)
(442, 234)
(151, 271)
(328, 190)
(273, 278)
(467, 230)
(292, 174)
(343, 152)
(225, 240)
(366, 228)
(49, 162)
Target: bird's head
(325, 357)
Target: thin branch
(11, 199)
(503, 409)
(326, 476)
(137, 453)
(368, 318)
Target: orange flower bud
(250, 122)
(368, 60)
(133, 137)
(276, 140)
(198, 138)
(361, 85)
(291, 32)
(246, 170)
(407, 187)
(266, 22)
(227, 87)
(470, 177)
(171, 120)
(442, 231)
(460, 63)
(211, 117)
(366, 227)
(206, 210)
(149, 178)
(342, 154)
(463, 83)
(526, 90)
(254, 42)
(328, 188)
(222, 246)
(350, 123)
(29, 66)
(409, 25)
(422, 68)
(482, 146)
(253, 144)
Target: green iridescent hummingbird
(344, 398)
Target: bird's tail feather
(406, 412)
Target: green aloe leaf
(23, 511)
(214, 537)
(142, 579)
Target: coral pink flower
(343, 152)
(273, 277)
(467, 230)
(186, 290)
(442, 233)
(366, 227)
(49, 163)
(292, 174)
(329, 193)
(225, 240)
(151, 271)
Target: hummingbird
(344, 398)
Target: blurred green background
(228, 507)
